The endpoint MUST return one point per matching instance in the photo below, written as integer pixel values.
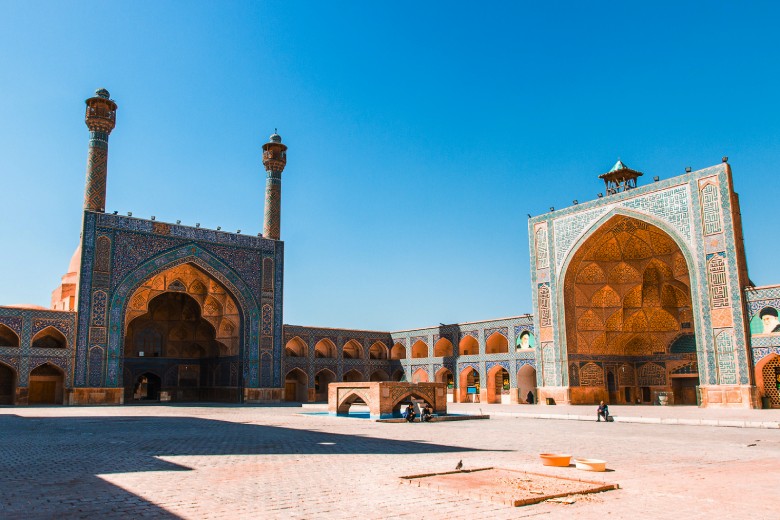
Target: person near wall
(409, 414)
(602, 411)
(530, 397)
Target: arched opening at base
(7, 384)
(189, 346)
(469, 386)
(147, 387)
(526, 384)
(321, 381)
(768, 379)
(498, 385)
(46, 385)
(296, 386)
(444, 375)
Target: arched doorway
(444, 375)
(498, 385)
(398, 375)
(50, 338)
(8, 338)
(194, 347)
(296, 385)
(46, 385)
(325, 349)
(321, 381)
(768, 379)
(627, 298)
(352, 350)
(7, 384)
(147, 387)
(526, 383)
(469, 385)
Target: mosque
(641, 296)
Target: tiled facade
(711, 333)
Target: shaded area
(54, 462)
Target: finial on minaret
(100, 119)
(274, 160)
(620, 178)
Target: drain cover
(506, 486)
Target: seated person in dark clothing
(409, 414)
(426, 414)
(530, 397)
(603, 411)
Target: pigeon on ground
(459, 466)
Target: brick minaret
(100, 119)
(274, 160)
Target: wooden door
(289, 390)
(42, 392)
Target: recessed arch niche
(626, 297)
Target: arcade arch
(325, 348)
(768, 378)
(50, 337)
(419, 349)
(46, 384)
(7, 384)
(353, 375)
(398, 352)
(443, 348)
(526, 382)
(378, 351)
(296, 384)
(379, 375)
(420, 376)
(627, 296)
(469, 385)
(468, 346)
(352, 350)
(296, 347)
(496, 344)
(321, 381)
(8, 338)
(497, 385)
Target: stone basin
(591, 464)
(555, 459)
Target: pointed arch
(420, 376)
(379, 375)
(496, 344)
(420, 349)
(398, 351)
(321, 381)
(50, 337)
(353, 376)
(325, 348)
(352, 349)
(378, 351)
(296, 347)
(468, 346)
(8, 338)
(296, 384)
(8, 379)
(443, 348)
(46, 384)
(468, 379)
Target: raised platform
(385, 399)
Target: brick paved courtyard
(265, 462)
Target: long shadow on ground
(48, 466)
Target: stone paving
(276, 462)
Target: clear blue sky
(420, 134)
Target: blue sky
(421, 134)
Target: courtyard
(292, 462)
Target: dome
(101, 92)
(75, 261)
(275, 138)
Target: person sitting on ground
(409, 414)
(426, 414)
(530, 397)
(603, 411)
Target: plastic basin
(555, 459)
(591, 464)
